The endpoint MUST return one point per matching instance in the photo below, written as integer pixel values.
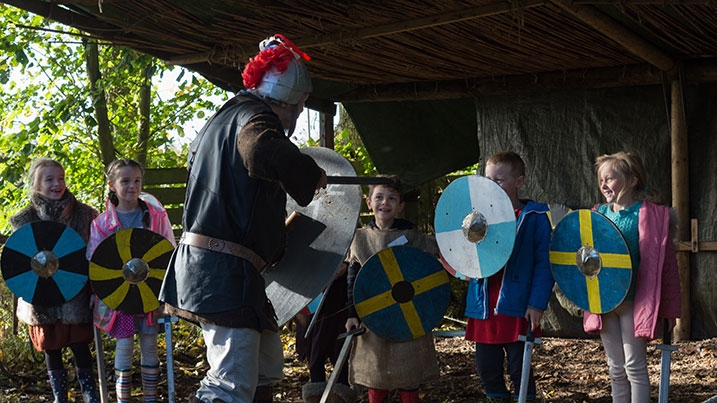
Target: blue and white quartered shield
(401, 293)
(591, 261)
(44, 263)
(475, 226)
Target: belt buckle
(214, 244)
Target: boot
(342, 393)
(150, 378)
(377, 396)
(88, 385)
(264, 394)
(58, 381)
(409, 396)
(123, 385)
(312, 392)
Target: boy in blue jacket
(500, 307)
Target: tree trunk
(145, 98)
(104, 134)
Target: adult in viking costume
(375, 362)
(53, 328)
(241, 167)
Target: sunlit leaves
(46, 108)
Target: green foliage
(46, 108)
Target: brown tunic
(380, 363)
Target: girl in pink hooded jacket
(128, 207)
(654, 294)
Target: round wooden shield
(127, 269)
(591, 261)
(44, 263)
(475, 226)
(318, 237)
(401, 293)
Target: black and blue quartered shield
(591, 261)
(127, 269)
(401, 293)
(44, 263)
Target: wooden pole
(620, 34)
(681, 200)
(326, 129)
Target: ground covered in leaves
(567, 370)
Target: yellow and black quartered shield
(401, 293)
(44, 263)
(475, 227)
(127, 269)
(591, 261)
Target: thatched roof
(400, 49)
(409, 71)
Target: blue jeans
(490, 359)
(239, 361)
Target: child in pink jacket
(128, 207)
(654, 294)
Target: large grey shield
(318, 237)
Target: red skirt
(59, 335)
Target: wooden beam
(418, 23)
(382, 30)
(326, 130)
(627, 3)
(624, 76)
(618, 33)
(681, 199)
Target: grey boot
(342, 393)
(88, 385)
(312, 391)
(58, 381)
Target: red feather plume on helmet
(278, 56)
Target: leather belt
(222, 246)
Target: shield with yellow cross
(401, 293)
(127, 269)
(591, 261)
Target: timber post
(681, 200)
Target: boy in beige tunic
(377, 363)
